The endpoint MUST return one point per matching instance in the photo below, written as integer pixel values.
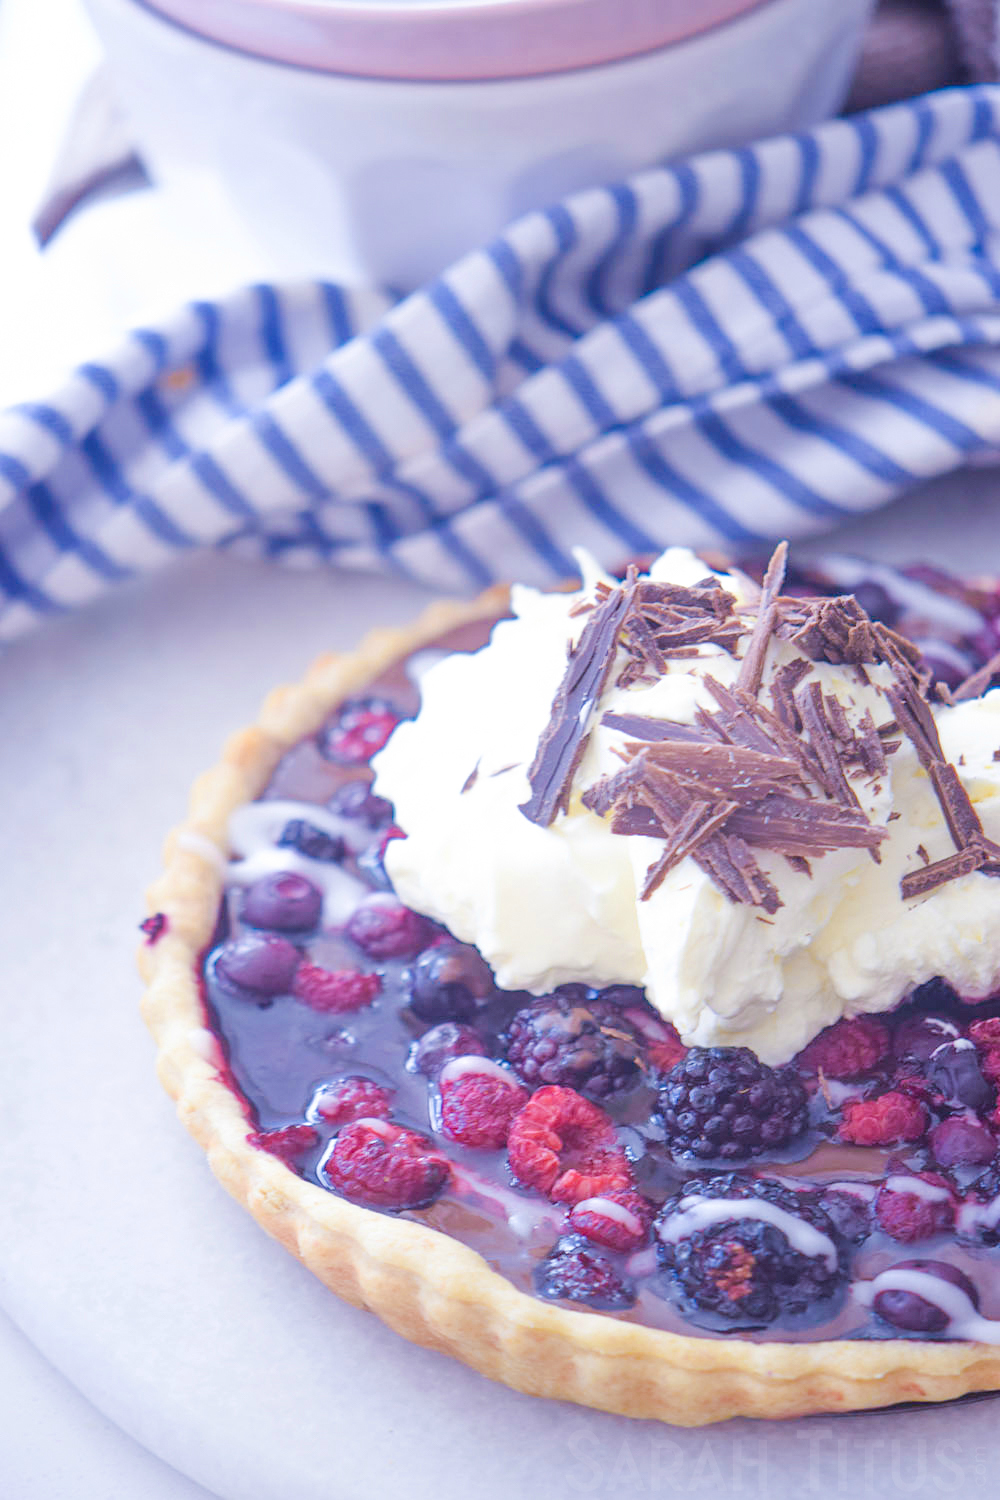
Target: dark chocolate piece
(564, 739)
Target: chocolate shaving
(752, 666)
(786, 679)
(643, 727)
(564, 738)
(952, 867)
(470, 780)
(871, 751)
(959, 813)
(696, 825)
(812, 711)
(746, 776)
(975, 685)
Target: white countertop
(141, 1312)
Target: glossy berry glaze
(571, 1139)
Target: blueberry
(430, 1052)
(313, 842)
(907, 1310)
(962, 1143)
(449, 982)
(954, 1071)
(259, 961)
(356, 800)
(289, 902)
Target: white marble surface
(126, 1264)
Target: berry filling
(571, 1137)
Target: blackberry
(722, 1102)
(311, 841)
(574, 1271)
(578, 1040)
(746, 1269)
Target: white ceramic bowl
(390, 178)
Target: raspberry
(360, 729)
(746, 1269)
(847, 1049)
(573, 1272)
(288, 1143)
(664, 1047)
(883, 1121)
(986, 1033)
(666, 1052)
(962, 1143)
(618, 1220)
(385, 1166)
(909, 1216)
(348, 1099)
(916, 1086)
(722, 1102)
(154, 927)
(336, 991)
(581, 1042)
(565, 1146)
(477, 1107)
(384, 928)
(989, 1061)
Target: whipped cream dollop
(570, 901)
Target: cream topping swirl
(549, 905)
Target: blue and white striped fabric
(749, 344)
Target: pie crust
(427, 1286)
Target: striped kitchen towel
(745, 345)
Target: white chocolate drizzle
(695, 1214)
(916, 1187)
(464, 1067)
(608, 1209)
(964, 1322)
(973, 1216)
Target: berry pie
(603, 987)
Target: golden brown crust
(429, 1287)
